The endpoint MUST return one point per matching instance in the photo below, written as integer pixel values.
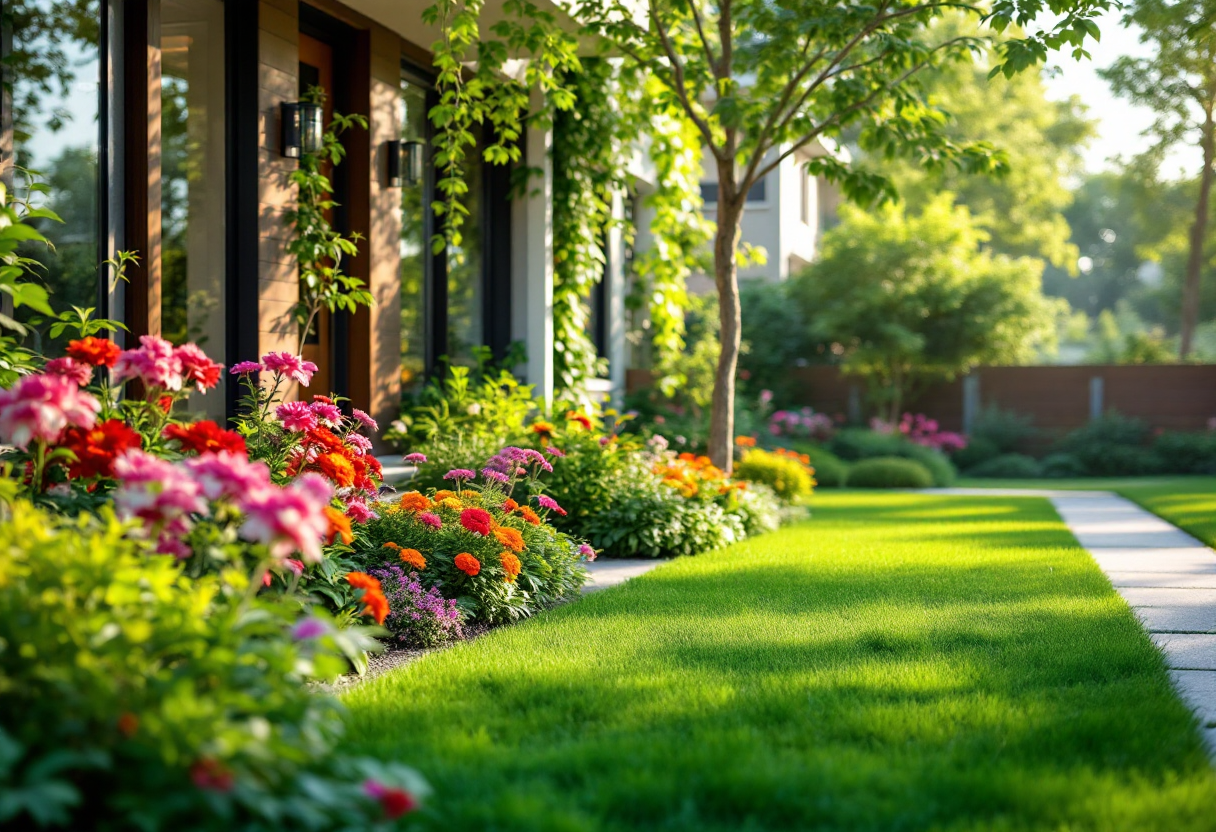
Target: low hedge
(889, 472)
(1008, 466)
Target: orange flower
(362, 580)
(509, 505)
(511, 538)
(471, 496)
(376, 605)
(337, 468)
(414, 501)
(745, 441)
(544, 430)
(451, 502)
(529, 515)
(392, 545)
(96, 352)
(128, 724)
(339, 526)
(582, 418)
(413, 557)
(443, 494)
(468, 564)
(510, 565)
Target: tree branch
(709, 53)
(681, 90)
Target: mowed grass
(899, 662)
(1187, 502)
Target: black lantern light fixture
(404, 163)
(302, 127)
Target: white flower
(474, 409)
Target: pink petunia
(40, 407)
(297, 417)
(327, 413)
(155, 362)
(288, 520)
(197, 368)
(226, 475)
(70, 368)
(292, 366)
(364, 419)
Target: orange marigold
(337, 468)
(529, 515)
(443, 494)
(511, 538)
(392, 545)
(745, 441)
(470, 496)
(376, 605)
(509, 505)
(362, 580)
(413, 557)
(510, 565)
(339, 526)
(415, 501)
(468, 564)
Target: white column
(532, 261)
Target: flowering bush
(499, 559)
(136, 697)
(802, 424)
(788, 473)
(921, 430)
(419, 618)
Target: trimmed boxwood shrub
(1008, 466)
(889, 472)
(978, 451)
(1062, 466)
(859, 443)
(1187, 453)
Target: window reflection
(192, 178)
(55, 73)
(414, 248)
(466, 330)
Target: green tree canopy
(908, 299)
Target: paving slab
(612, 571)
(1190, 560)
(1198, 689)
(1178, 619)
(1173, 580)
(1188, 651)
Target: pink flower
(557, 452)
(40, 407)
(155, 363)
(292, 366)
(418, 459)
(545, 501)
(70, 368)
(226, 475)
(459, 474)
(586, 551)
(161, 494)
(327, 413)
(297, 417)
(359, 442)
(288, 520)
(245, 368)
(364, 419)
(430, 519)
(197, 368)
(357, 510)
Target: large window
(415, 248)
(466, 278)
(192, 177)
(54, 71)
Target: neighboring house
(168, 141)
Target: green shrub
(1062, 466)
(758, 508)
(137, 698)
(1004, 429)
(1111, 446)
(889, 472)
(830, 470)
(859, 443)
(652, 520)
(479, 407)
(1008, 466)
(1187, 453)
(784, 474)
(978, 451)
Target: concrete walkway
(1165, 575)
(613, 571)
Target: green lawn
(900, 662)
(1187, 502)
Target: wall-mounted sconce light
(302, 127)
(404, 163)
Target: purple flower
(417, 616)
(308, 629)
(245, 368)
(459, 474)
(364, 419)
(557, 452)
(416, 459)
(497, 476)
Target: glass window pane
(465, 288)
(414, 248)
(55, 70)
(192, 179)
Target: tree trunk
(726, 276)
(1194, 263)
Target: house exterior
(158, 126)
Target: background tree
(761, 80)
(1179, 84)
(907, 300)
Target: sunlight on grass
(899, 662)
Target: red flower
(212, 775)
(97, 449)
(128, 724)
(476, 520)
(581, 418)
(323, 399)
(395, 802)
(98, 352)
(165, 403)
(206, 437)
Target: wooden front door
(317, 70)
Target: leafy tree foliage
(905, 300)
